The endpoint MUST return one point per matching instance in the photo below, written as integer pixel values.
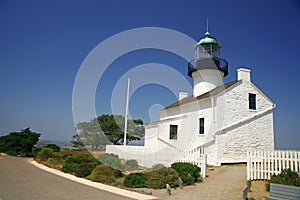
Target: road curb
(100, 186)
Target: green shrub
(11, 153)
(71, 162)
(135, 180)
(104, 174)
(55, 162)
(111, 160)
(157, 167)
(84, 169)
(131, 165)
(55, 147)
(36, 150)
(83, 158)
(188, 172)
(286, 177)
(154, 180)
(63, 154)
(45, 154)
(55, 159)
(159, 179)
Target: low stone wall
(145, 156)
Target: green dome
(207, 40)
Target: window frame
(201, 126)
(252, 101)
(173, 132)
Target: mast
(126, 113)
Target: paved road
(20, 180)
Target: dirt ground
(258, 190)
(225, 182)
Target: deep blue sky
(43, 43)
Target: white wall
(188, 124)
(151, 134)
(254, 135)
(237, 104)
(146, 156)
(251, 133)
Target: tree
(16, 143)
(113, 128)
(91, 135)
(106, 129)
(76, 141)
(54, 147)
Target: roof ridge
(212, 92)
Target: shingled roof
(208, 94)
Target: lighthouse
(207, 69)
(219, 123)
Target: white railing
(195, 156)
(261, 165)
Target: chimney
(244, 74)
(182, 95)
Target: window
(252, 101)
(173, 132)
(201, 125)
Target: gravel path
(225, 182)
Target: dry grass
(96, 154)
(258, 190)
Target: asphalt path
(21, 180)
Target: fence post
(287, 159)
(272, 164)
(296, 161)
(280, 163)
(269, 165)
(293, 161)
(254, 165)
(264, 164)
(248, 166)
(203, 168)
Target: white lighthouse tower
(207, 69)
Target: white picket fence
(261, 165)
(195, 156)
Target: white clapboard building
(220, 121)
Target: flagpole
(126, 113)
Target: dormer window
(252, 101)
